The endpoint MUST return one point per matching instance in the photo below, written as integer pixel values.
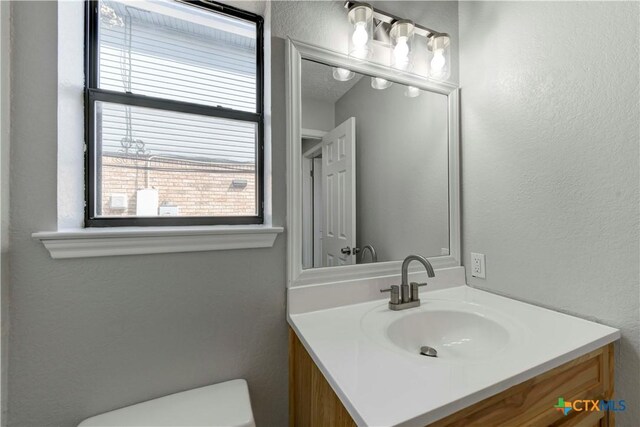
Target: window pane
(154, 162)
(176, 51)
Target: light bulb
(438, 62)
(411, 92)
(380, 83)
(342, 74)
(402, 48)
(360, 36)
(401, 52)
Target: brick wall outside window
(197, 188)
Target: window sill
(99, 242)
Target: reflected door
(339, 195)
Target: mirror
(375, 169)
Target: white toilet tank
(224, 404)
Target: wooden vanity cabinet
(313, 403)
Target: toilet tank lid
(224, 404)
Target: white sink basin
(454, 334)
(460, 332)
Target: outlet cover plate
(478, 266)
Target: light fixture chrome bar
(389, 18)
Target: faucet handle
(395, 293)
(414, 290)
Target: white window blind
(149, 53)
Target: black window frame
(93, 93)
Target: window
(174, 114)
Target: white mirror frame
(296, 52)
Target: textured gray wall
(550, 137)
(317, 114)
(91, 335)
(5, 125)
(402, 174)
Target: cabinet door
(532, 402)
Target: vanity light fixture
(361, 18)
(380, 83)
(401, 34)
(342, 74)
(372, 26)
(439, 56)
(411, 92)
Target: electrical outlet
(478, 266)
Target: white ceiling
(318, 82)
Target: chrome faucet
(401, 297)
(370, 248)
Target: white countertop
(382, 385)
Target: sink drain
(428, 351)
